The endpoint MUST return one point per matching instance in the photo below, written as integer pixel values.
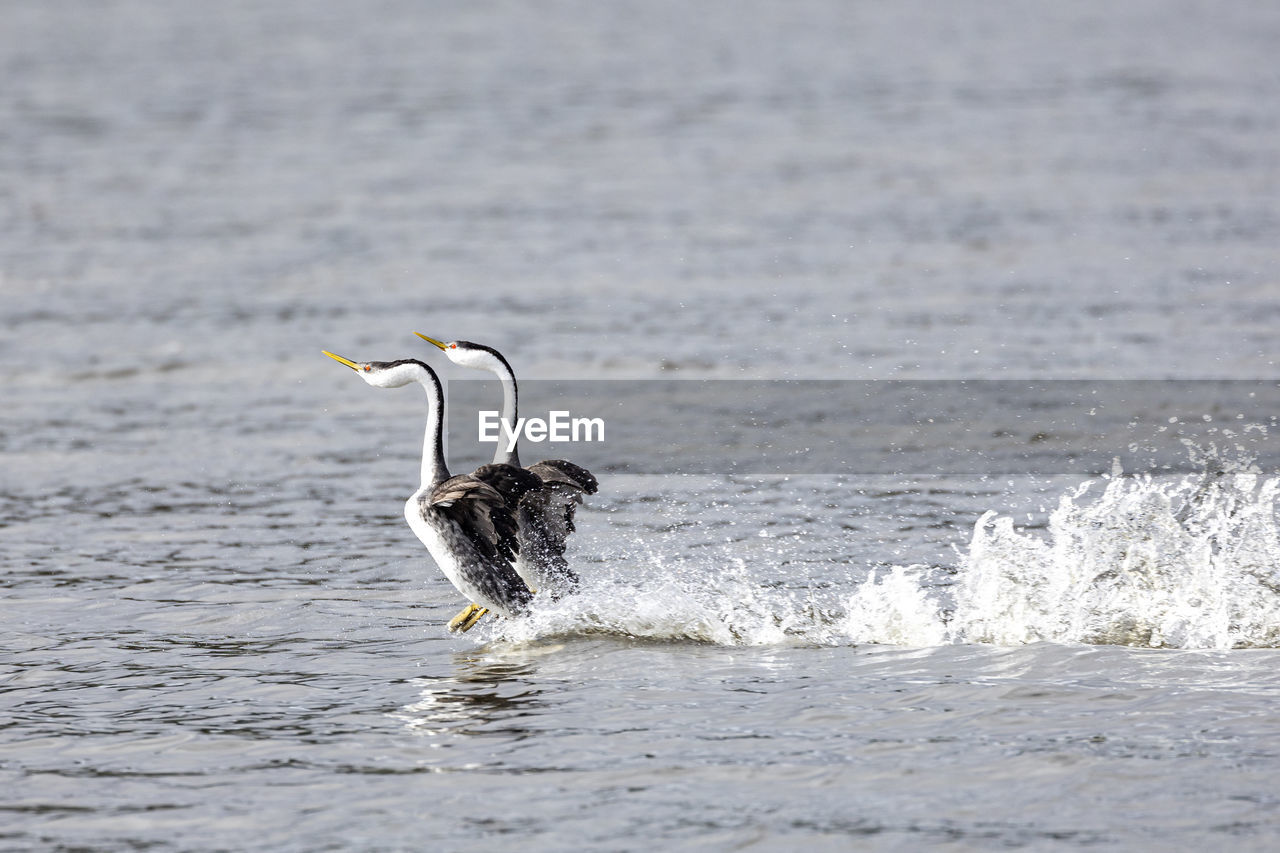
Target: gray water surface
(218, 632)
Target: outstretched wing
(510, 481)
(482, 513)
(546, 514)
(560, 472)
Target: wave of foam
(1194, 564)
(1187, 564)
(677, 603)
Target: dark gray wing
(546, 514)
(482, 513)
(510, 481)
(560, 472)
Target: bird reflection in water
(485, 697)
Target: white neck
(434, 468)
(479, 357)
(510, 408)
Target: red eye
(453, 346)
(366, 368)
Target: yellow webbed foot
(467, 618)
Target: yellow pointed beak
(348, 362)
(430, 340)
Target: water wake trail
(1192, 563)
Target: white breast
(439, 548)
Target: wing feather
(546, 514)
(510, 481)
(559, 471)
(481, 512)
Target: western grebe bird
(467, 522)
(545, 514)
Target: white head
(467, 354)
(388, 374)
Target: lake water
(982, 553)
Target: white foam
(1190, 563)
(898, 610)
(726, 606)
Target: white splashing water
(674, 603)
(1193, 563)
(899, 610)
